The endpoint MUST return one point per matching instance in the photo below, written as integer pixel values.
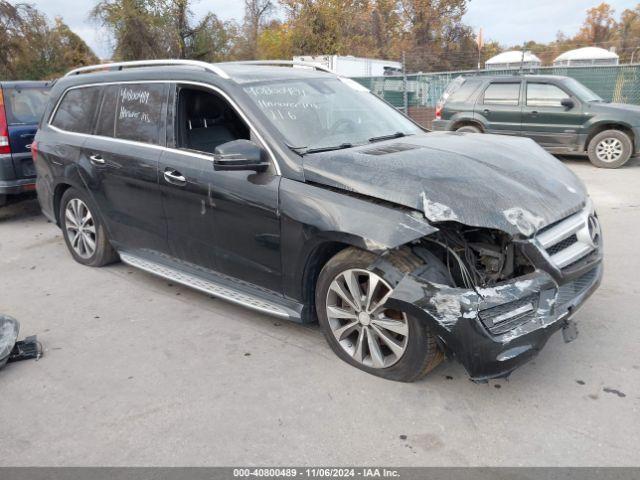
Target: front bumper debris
(492, 331)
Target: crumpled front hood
(491, 181)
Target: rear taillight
(4, 129)
(34, 150)
(439, 111)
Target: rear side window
(25, 106)
(106, 125)
(139, 112)
(464, 93)
(77, 109)
(502, 94)
(544, 95)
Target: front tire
(83, 232)
(384, 342)
(610, 149)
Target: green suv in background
(559, 113)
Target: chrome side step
(206, 286)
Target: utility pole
(405, 94)
(522, 60)
(480, 44)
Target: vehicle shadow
(20, 207)
(634, 162)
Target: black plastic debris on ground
(26, 349)
(12, 350)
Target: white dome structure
(512, 59)
(586, 56)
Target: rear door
(499, 107)
(119, 159)
(24, 105)
(546, 121)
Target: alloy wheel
(371, 334)
(609, 150)
(81, 228)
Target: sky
(510, 22)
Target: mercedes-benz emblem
(594, 230)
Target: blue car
(21, 106)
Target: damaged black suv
(300, 194)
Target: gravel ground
(138, 371)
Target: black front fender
(312, 215)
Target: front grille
(569, 241)
(562, 244)
(571, 290)
(506, 317)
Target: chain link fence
(419, 93)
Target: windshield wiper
(342, 146)
(387, 137)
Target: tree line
(32, 47)
(431, 34)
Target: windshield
(323, 113)
(25, 105)
(582, 92)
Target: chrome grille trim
(557, 242)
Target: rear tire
(610, 149)
(413, 352)
(83, 231)
(468, 129)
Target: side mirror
(567, 103)
(239, 155)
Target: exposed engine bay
(476, 257)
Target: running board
(206, 286)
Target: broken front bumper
(492, 331)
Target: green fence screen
(617, 83)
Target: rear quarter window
(24, 106)
(77, 110)
(465, 91)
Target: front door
(120, 164)
(499, 108)
(546, 120)
(225, 221)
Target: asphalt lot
(141, 372)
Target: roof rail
(282, 63)
(150, 63)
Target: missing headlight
(477, 257)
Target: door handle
(174, 177)
(486, 111)
(97, 159)
(534, 113)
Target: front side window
(77, 109)
(205, 120)
(544, 95)
(138, 114)
(326, 112)
(502, 94)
